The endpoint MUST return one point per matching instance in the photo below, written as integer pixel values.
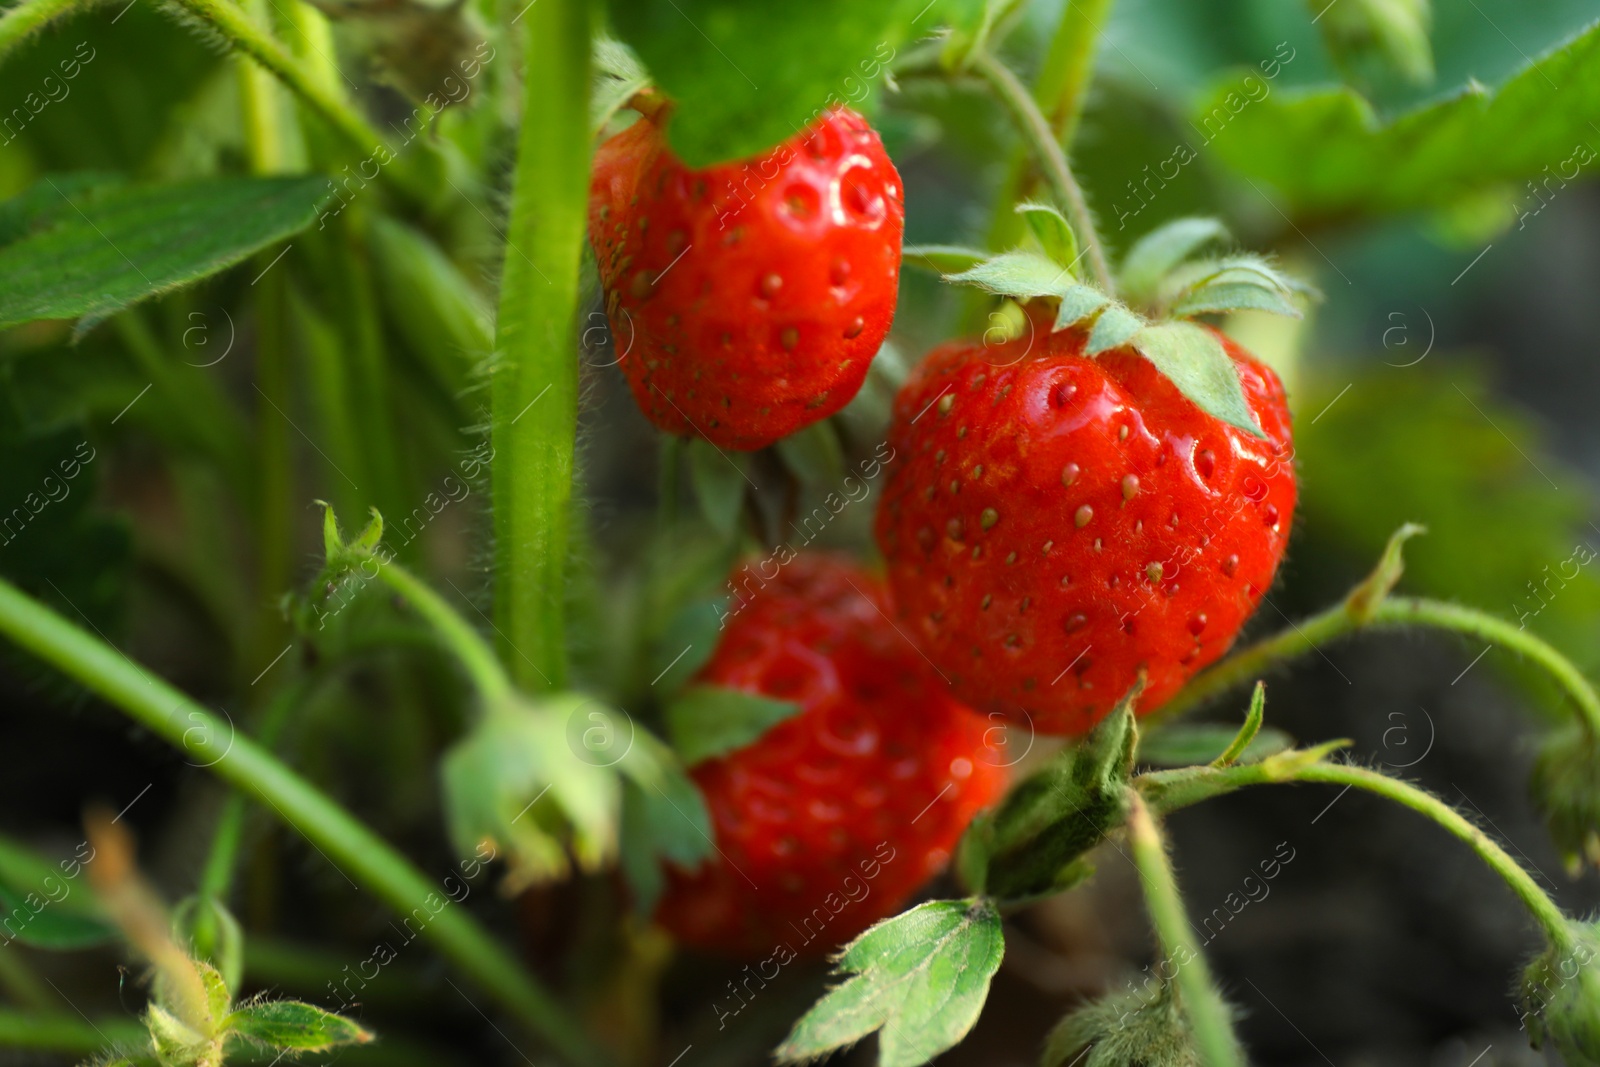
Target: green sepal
(1158, 252)
(707, 721)
(1053, 232)
(294, 1026)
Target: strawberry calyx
(1163, 283)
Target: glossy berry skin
(832, 818)
(1053, 523)
(747, 300)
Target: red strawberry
(747, 300)
(836, 815)
(1054, 523)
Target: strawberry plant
(696, 532)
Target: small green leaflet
(295, 1026)
(719, 482)
(1328, 154)
(707, 721)
(1018, 274)
(1195, 361)
(1158, 252)
(618, 75)
(1215, 297)
(110, 248)
(1078, 303)
(1191, 746)
(1053, 231)
(1112, 329)
(920, 979)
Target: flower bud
(1561, 997)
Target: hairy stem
(359, 854)
(1205, 1010)
(535, 378)
(1041, 139)
(1545, 911)
(1059, 91)
(24, 19)
(1250, 663)
(232, 22)
(469, 649)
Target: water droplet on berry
(1069, 474)
(857, 324)
(1076, 621)
(1230, 565)
(1269, 515)
(960, 768)
(1197, 623)
(1205, 462)
(770, 284)
(1063, 393)
(839, 272)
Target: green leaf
(1327, 153)
(1035, 843)
(1193, 359)
(1053, 232)
(1112, 329)
(708, 721)
(1077, 304)
(814, 454)
(121, 245)
(1234, 296)
(920, 979)
(1366, 33)
(1155, 254)
(719, 484)
(1018, 274)
(942, 259)
(295, 1026)
(747, 76)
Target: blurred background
(1448, 377)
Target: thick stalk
(1059, 90)
(1041, 139)
(1250, 663)
(1208, 1016)
(1545, 911)
(535, 379)
(358, 853)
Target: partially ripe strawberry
(836, 815)
(1055, 523)
(747, 300)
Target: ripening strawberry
(836, 815)
(1054, 523)
(747, 300)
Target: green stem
(471, 650)
(1041, 139)
(31, 15)
(1392, 612)
(1204, 1008)
(1059, 90)
(231, 20)
(1544, 910)
(535, 362)
(357, 852)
